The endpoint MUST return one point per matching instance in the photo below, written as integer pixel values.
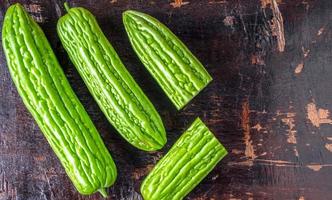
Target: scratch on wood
(263, 154)
(3, 183)
(276, 162)
(6, 191)
(320, 31)
(277, 26)
(247, 163)
(58, 10)
(249, 151)
(179, 3)
(217, 2)
(279, 163)
(47, 178)
(299, 68)
(317, 116)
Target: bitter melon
(118, 95)
(48, 96)
(179, 73)
(190, 159)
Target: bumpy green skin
(118, 95)
(190, 159)
(173, 66)
(48, 96)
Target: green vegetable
(190, 159)
(48, 96)
(169, 61)
(118, 95)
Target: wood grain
(269, 103)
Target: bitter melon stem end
(103, 192)
(67, 7)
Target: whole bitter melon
(169, 61)
(48, 96)
(190, 159)
(118, 95)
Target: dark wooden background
(269, 103)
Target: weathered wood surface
(269, 103)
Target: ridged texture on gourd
(178, 72)
(48, 96)
(118, 95)
(190, 159)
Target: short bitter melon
(169, 61)
(118, 95)
(48, 96)
(190, 159)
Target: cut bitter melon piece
(190, 159)
(179, 73)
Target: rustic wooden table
(269, 103)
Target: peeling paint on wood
(179, 3)
(318, 116)
(229, 21)
(249, 149)
(328, 147)
(258, 127)
(277, 26)
(265, 3)
(299, 68)
(315, 167)
(290, 122)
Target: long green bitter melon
(190, 159)
(169, 61)
(118, 95)
(48, 96)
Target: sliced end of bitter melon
(178, 72)
(191, 158)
